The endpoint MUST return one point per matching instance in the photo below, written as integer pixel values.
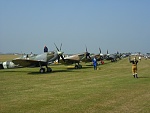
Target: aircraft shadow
(54, 71)
(106, 63)
(72, 68)
(87, 67)
(60, 71)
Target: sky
(115, 25)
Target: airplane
(101, 57)
(74, 59)
(112, 57)
(39, 60)
(98, 56)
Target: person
(94, 63)
(45, 49)
(134, 67)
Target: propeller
(56, 47)
(59, 53)
(107, 51)
(100, 50)
(60, 46)
(87, 53)
(101, 55)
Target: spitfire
(98, 56)
(76, 59)
(112, 57)
(39, 60)
(73, 59)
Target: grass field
(4, 58)
(111, 89)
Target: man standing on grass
(94, 63)
(134, 66)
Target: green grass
(4, 58)
(111, 89)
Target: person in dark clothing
(45, 49)
(134, 66)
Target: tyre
(49, 69)
(42, 70)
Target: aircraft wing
(28, 63)
(72, 59)
(69, 61)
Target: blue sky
(117, 25)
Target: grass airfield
(110, 89)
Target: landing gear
(42, 70)
(78, 66)
(113, 60)
(49, 69)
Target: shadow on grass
(105, 63)
(72, 68)
(68, 69)
(33, 72)
(54, 71)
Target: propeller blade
(58, 59)
(62, 58)
(60, 46)
(88, 55)
(99, 50)
(59, 53)
(56, 47)
(107, 51)
(86, 48)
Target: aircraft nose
(59, 52)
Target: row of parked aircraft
(47, 58)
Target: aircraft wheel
(79, 66)
(112, 60)
(49, 69)
(42, 70)
(76, 67)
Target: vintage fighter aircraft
(100, 57)
(39, 60)
(89, 57)
(74, 59)
(112, 57)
